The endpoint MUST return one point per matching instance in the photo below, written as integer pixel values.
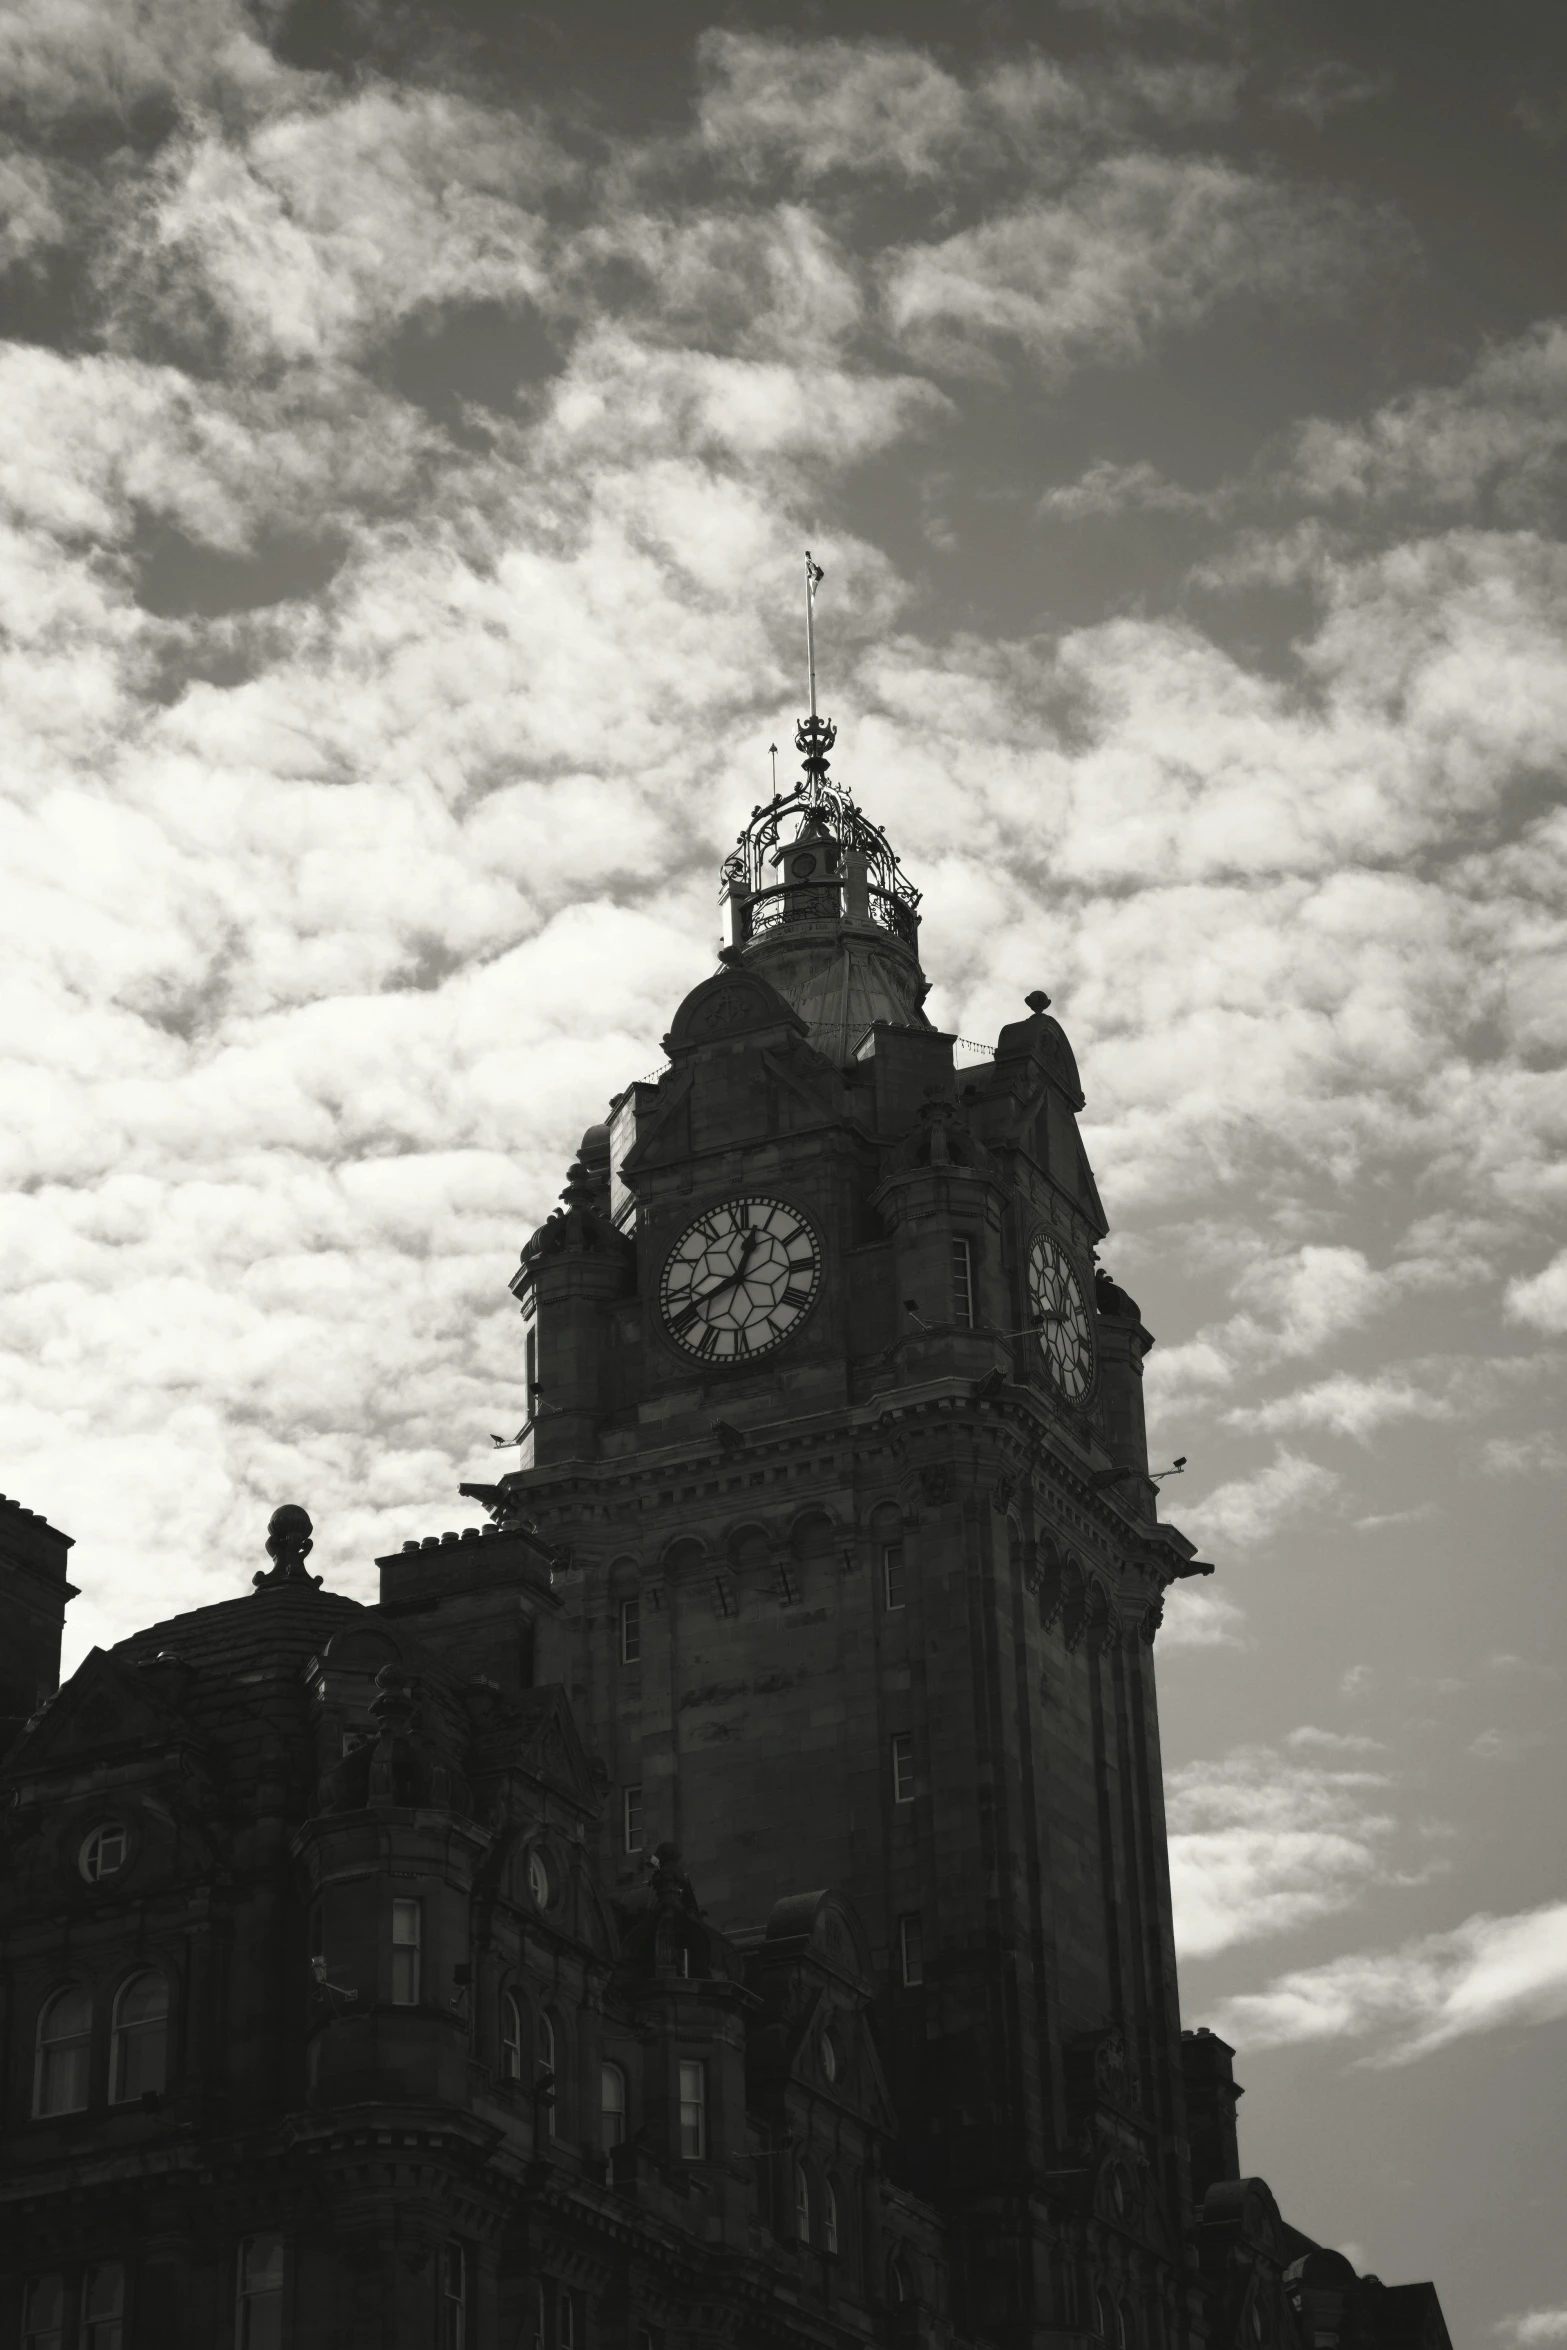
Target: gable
(105, 1711)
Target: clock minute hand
(729, 1280)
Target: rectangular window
(631, 1818)
(454, 2298)
(565, 2323)
(962, 1284)
(530, 1374)
(43, 2313)
(892, 1573)
(788, 1588)
(693, 2110)
(103, 2307)
(258, 2317)
(903, 1768)
(911, 1951)
(405, 1953)
(631, 1631)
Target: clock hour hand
(694, 1305)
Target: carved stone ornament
(938, 1482)
(1153, 1617)
(1003, 1491)
(289, 1544)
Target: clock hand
(730, 1280)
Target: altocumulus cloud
(1262, 1842)
(371, 727)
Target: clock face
(740, 1280)
(1058, 1309)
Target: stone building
(724, 1899)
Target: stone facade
(724, 1900)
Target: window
(802, 2205)
(829, 2217)
(612, 2105)
(43, 2313)
(911, 1951)
(530, 1371)
(788, 1586)
(454, 2298)
(631, 1818)
(631, 1631)
(897, 2281)
(538, 1880)
(258, 2309)
(903, 1768)
(103, 2307)
(962, 1284)
(549, 2071)
(406, 1922)
(103, 1854)
(830, 2066)
(511, 2037)
(565, 2323)
(138, 2048)
(892, 1573)
(693, 2110)
(64, 2045)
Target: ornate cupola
(819, 904)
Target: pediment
(107, 1708)
(731, 1004)
(861, 2082)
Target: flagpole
(810, 628)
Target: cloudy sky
(412, 418)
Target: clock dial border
(1069, 1284)
(780, 1267)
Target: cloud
(1260, 1845)
(1250, 1510)
(1201, 1619)
(829, 106)
(1539, 1454)
(1141, 246)
(1488, 1974)
(1310, 1740)
(1492, 445)
(64, 59)
(1530, 2326)
(1345, 1405)
(1541, 1298)
(1109, 489)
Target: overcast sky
(410, 421)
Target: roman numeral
(707, 1344)
(742, 1342)
(794, 1296)
(682, 1322)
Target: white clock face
(740, 1280)
(1060, 1313)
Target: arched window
(549, 2069)
(802, 2204)
(139, 2046)
(897, 2281)
(511, 2037)
(829, 2217)
(612, 2105)
(64, 2047)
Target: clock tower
(836, 1427)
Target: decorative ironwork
(818, 805)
